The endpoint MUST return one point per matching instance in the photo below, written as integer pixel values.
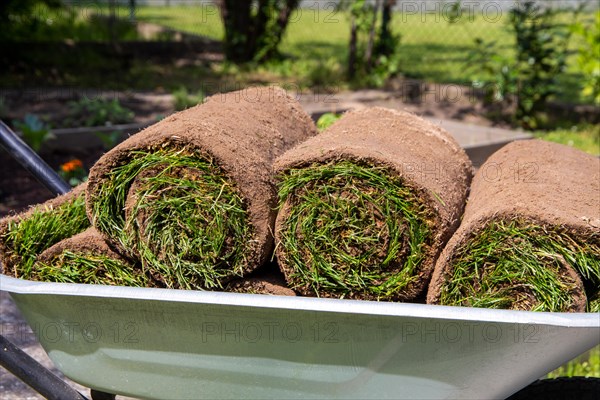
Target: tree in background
(253, 29)
(371, 54)
(529, 76)
(20, 17)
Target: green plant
(35, 132)
(73, 172)
(583, 137)
(589, 57)
(372, 58)
(587, 365)
(326, 120)
(530, 75)
(183, 99)
(98, 112)
(109, 139)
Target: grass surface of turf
(188, 224)
(515, 265)
(70, 267)
(28, 238)
(352, 231)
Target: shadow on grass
(137, 66)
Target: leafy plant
(589, 57)
(109, 139)
(183, 99)
(34, 131)
(98, 112)
(373, 56)
(73, 172)
(587, 365)
(530, 75)
(326, 120)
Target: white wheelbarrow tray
(175, 344)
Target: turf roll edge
(192, 198)
(23, 237)
(87, 258)
(367, 205)
(530, 236)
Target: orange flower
(72, 165)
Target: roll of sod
(530, 236)
(192, 197)
(86, 258)
(23, 237)
(367, 205)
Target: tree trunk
(236, 17)
(254, 36)
(370, 43)
(111, 21)
(352, 50)
(385, 43)
(282, 21)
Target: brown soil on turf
(546, 184)
(243, 132)
(425, 157)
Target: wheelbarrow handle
(31, 161)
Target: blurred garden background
(112, 67)
(528, 64)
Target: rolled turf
(366, 206)
(23, 237)
(86, 258)
(530, 236)
(193, 197)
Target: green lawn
(583, 137)
(316, 43)
(587, 365)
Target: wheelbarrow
(175, 344)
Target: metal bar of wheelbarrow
(31, 161)
(13, 359)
